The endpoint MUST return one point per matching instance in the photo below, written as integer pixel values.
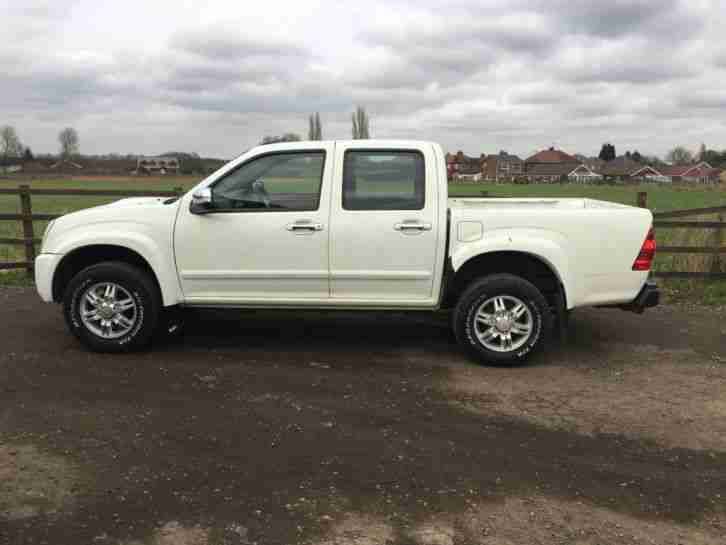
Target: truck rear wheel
(112, 307)
(502, 319)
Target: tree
(679, 156)
(360, 124)
(28, 155)
(10, 145)
(607, 152)
(315, 130)
(287, 137)
(637, 157)
(714, 158)
(318, 127)
(702, 152)
(69, 142)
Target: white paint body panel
(144, 225)
(371, 260)
(357, 260)
(250, 255)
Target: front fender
(545, 245)
(153, 246)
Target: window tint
(279, 181)
(383, 180)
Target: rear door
(384, 224)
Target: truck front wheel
(112, 307)
(502, 319)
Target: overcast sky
(215, 77)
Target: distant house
(701, 173)
(584, 174)
(157, 165)
(10, 169)
(460, 166)
(504, 167)
(551, 165)
(625, 169)
(66, 165)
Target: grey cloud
(516, 74)
(230, 43)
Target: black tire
(481, 291)
(142, 290)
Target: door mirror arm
(201, 201)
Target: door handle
(412, 226)
(304, 226)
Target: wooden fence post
(718, 239)
(26, 209)
(642, 199)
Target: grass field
(660, 198)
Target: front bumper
(45, 266)
(648, 297)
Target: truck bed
(531, 203)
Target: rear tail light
(647, 253)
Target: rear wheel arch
(85, 256)
(534, 268)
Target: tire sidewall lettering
(78, 324)
(469, 327)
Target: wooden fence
(672, 220)
(662, 220)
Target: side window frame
(390, 151)
(320, 151)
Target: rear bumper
(648, 297)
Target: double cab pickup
(357, 225)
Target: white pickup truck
(364, 224)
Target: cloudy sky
(215, 77)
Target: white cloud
(477, 75)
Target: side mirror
(201, 201)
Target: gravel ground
(337, 429)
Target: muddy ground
(337, 429)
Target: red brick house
(504, 167)
(461, 166)
(550, 165)
(701, 173)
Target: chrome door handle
(412, 226)
(304, 226)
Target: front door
(264, 237)
(384, 224)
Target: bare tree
(360, 124)
(315, 130)
(69, 143)
(318, 127)
(10, 145)
(679, 156)
(702, 152)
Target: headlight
(45, 235)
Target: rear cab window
(383, 180)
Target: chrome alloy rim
(108, 310)
(503, 323)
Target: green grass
(660, 198)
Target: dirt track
(340, 429)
